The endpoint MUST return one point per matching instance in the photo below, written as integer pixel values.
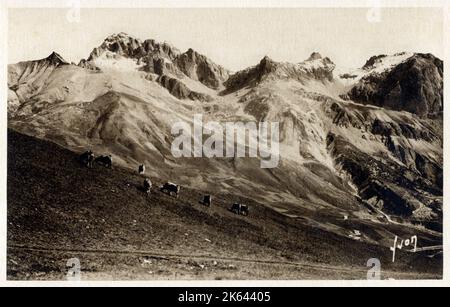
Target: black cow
(239, 209)
(171, 188)
(147, 185)
(87, 158)
(141, 169)
(207, 200)
(105, 161)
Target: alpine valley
(361, 149)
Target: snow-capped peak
(381, 63)
(375, 65)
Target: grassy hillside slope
(58, 209)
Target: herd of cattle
(88, 159)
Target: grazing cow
(105, 161)
(90, 161)
(147, 185)
(84, 156)
(239, 209)
(171, 188)
(141, 169)
(87, 158)
(207, 200)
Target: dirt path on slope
(318, 271)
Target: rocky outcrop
(199, 67)
(374, 61)
(314, 56)
(343, 118)
(415, 86)
(392, 188)
(181, 91)
(250, 76)
(88, 65)
(387, 129)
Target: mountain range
(364, 143)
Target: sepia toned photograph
(236, 144)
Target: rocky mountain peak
(201, 68)
(122, 36)
(56, 59)
(121, 44)
(153, 48)
(318, 67)
(267, 65)
(191, 52)
(155, 57)
(314, 56)
(122, 39)
(192, 56)
(318, 59)
(374, 60)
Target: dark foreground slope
(58, 209)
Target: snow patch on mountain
(112, 61)
(375, 65)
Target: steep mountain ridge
(26, 79)
(157, 58)
(315, 67)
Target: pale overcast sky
(234, 38)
